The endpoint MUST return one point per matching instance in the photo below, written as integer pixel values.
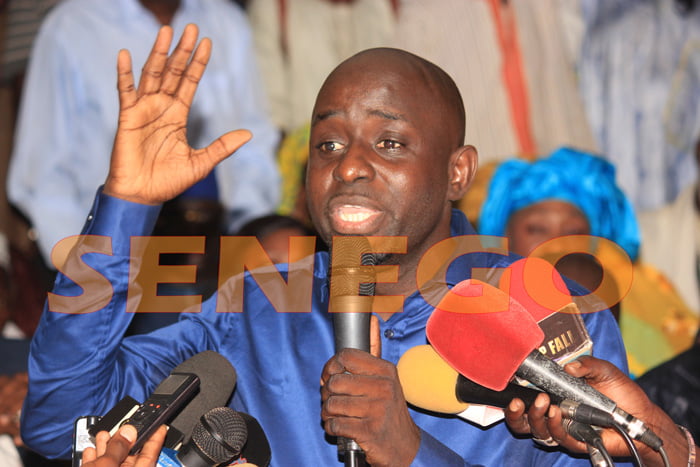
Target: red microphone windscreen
(537, 286)
(483, 341)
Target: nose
(354, 166)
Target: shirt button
(389, 333)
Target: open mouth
(354, 219)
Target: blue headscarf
(584, 180)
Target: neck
(163, 10)
(407, 282)
(404, 286)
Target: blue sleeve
(604, 331)
(607, 340)
(80, 364)
(432, 452)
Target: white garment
(70, 107)
(639, 74)
(9, 457)
(461, 37)
(319, 35)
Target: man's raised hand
(152, 161)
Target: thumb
(375, 341)
(225, 145)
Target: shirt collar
(133, 10)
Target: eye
(536, 229)
(389, 144)
(330, 146)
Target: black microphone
(351, 307)
(200, 383)
(257, 449)
(585, 403)
(217, 438)
(217, 380)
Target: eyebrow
(374, 113)
(324, 115)
(386, 115)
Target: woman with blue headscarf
(574, 193)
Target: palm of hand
(152, 161)
(152, 157)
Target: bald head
(386, 154)
(429, 85)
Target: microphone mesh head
(220, 434)
(345, 253)
(217, 379)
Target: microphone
(218, 437)
(351, 307)
(217, 380)
(539, 288)
(257, 449)
(209, 373)
(430, 383)
(351, 310)
(469, 340)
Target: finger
(554, 424)
(555, 427)
(152, 72)
(220, 149)
(345, 372)
(101, 441)
(177, 63)
(361, 362)
(125, 80)
(578, 369)
(342, 406)
(515, 417)
(119, 446)
(151, 448)
(345, 384)
(595, 371)
(375, 341)
(537, 417)
(332, 367)
(372, 388)
(347, 427)
(89, 455)
(194, 72)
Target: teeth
(354, 214)
(354, 217)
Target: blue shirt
(70, 109)
(81, 364)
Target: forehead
(389, 82)
(551, 209)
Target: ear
(463, 164)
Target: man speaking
(387, 159)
